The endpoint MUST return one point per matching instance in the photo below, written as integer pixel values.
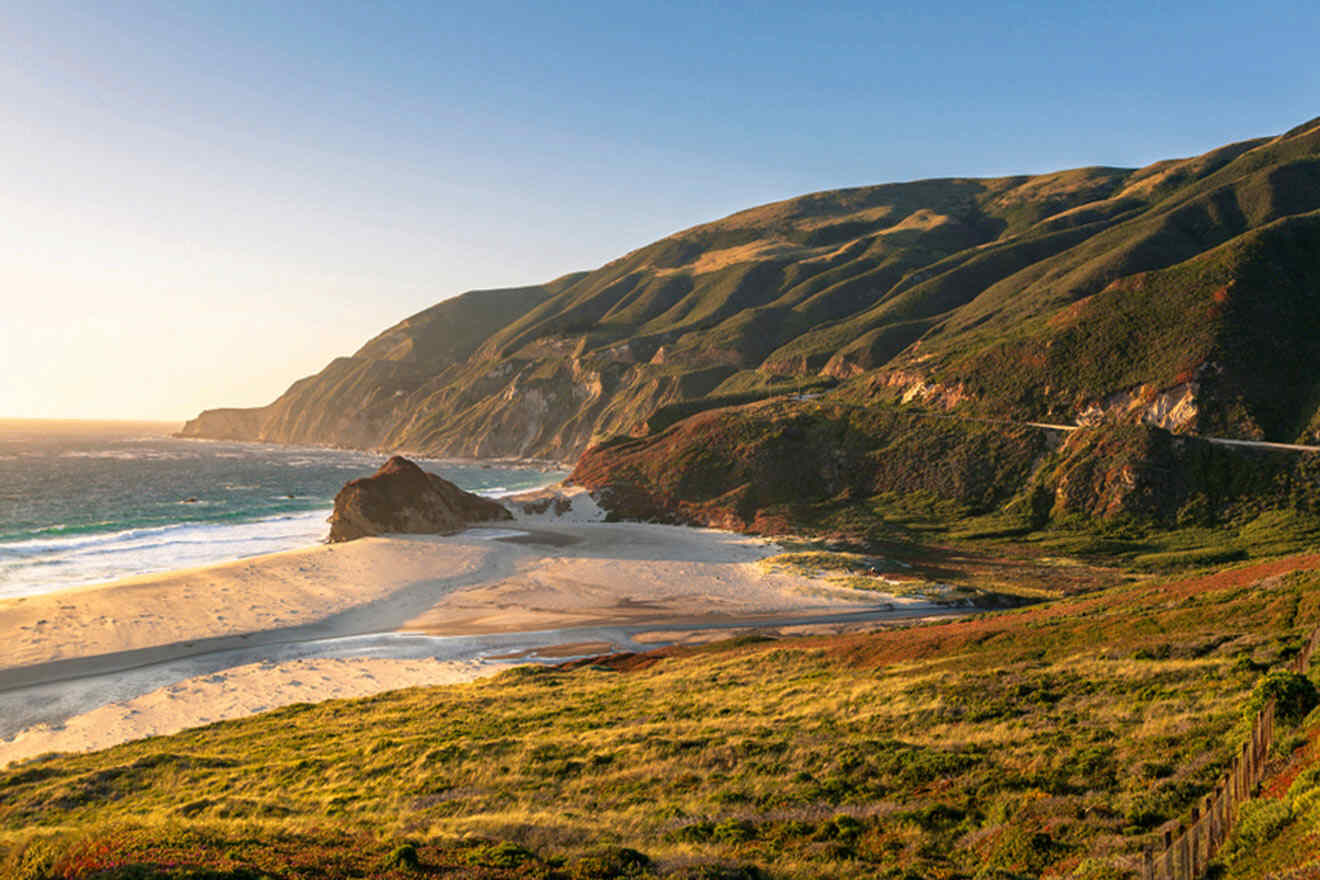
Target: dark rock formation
(403, 498)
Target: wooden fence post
(1184, 856)
(1234, 775)
(1220, 819)
(1194, 842)
(1258, 732)
(1168, 855)
(1246, 773)
(1147, 864)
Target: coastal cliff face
(1181, 295)
(401, 498)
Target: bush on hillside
(1294, 695)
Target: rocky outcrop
(402, 498)
(1173, 409)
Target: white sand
(293, 588)
(633, 573)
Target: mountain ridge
(1158, 295)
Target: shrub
(1098, 869)
(734, 831)
(608, 863)
(404, 856)
(1258, 823)
(847, 828)
(719, 872)
(1021, 852)
(499, 855)
(34, 860)
(1294, 696)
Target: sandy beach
(97, 665)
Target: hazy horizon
(204, 204)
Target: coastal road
(1217, 441)
(1067, 429)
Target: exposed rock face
(403, 498)
(1174, 409)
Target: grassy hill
(1054, 740)
(1181, 294)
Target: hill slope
(1182, 294)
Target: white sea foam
(46, 564)
(131, 455)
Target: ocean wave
(39, 566)
(130, 455)
(150, 535)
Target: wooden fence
(1184, 853)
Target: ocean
(86, 502)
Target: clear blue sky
(204, 201)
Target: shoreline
(280, 532)
(158, 653)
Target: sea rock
(402, 498)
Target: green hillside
(1181, 294)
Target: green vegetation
(1120, 496)
(1183, 292)
(1027, 741)
(857, 571)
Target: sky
(202, 202)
